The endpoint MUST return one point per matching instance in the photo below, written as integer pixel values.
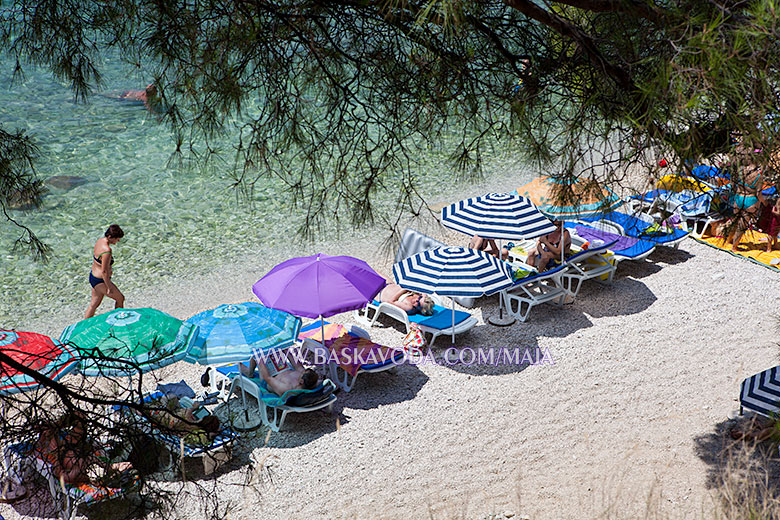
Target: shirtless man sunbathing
(298, 378)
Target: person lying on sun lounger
(182, 421)
(297, 378)
(410, 301)
(548, 247)
(74, 456)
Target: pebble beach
(625, 422)
(624, 416)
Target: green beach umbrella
(112, 343)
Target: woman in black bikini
(100, 275)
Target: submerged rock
(66, 182)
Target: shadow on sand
(746, 475)
(624, 297)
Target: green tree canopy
(353, 89)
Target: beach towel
(752, 248)
(180, 389)
(768, 222)
(592, 234)
(314, 331)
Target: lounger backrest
(414, 242)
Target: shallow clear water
(178, 223)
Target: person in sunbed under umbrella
(74, 458)
(182, 421)
(293, 378)
(489, 246)
(410, 301)
(548, 247)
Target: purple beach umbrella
(319, 286)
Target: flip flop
(14, 493)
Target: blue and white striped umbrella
(232, 333)
(761, 392)
(500, 216)
(453, 271)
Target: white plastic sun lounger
(637, 224)
(441, 322)
(588, 264)
(273, 409)
(534, 289)
(341, 377)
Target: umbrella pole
(500, 300)
(7, 479)
(501, 321)
(322, 330)
(569, 297)
(452, 299)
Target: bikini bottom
(743, 201)
(94, 280)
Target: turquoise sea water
(178, 222)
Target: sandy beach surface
(626, 420)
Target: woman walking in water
(100, 275)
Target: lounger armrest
(395, 312)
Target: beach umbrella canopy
(500, 216)
(319, 286)
(584, 199)
(40, 353)
(231, 333)
(111, 343)
(453, 271)
(761, 392)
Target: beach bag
(414, 339)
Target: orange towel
(332, 331)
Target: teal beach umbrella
(112, 343)
(231, 333)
